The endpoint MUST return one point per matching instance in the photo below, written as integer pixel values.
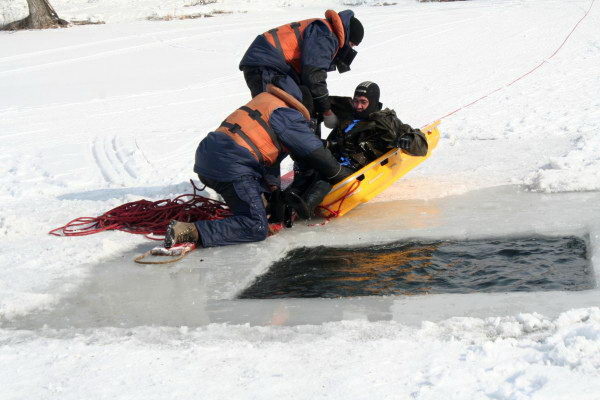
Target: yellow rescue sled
(375, 177)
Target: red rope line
(144, 217)
(336, 213)
(527, 73)
(356, 184)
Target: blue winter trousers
(249, 222)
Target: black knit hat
(357, 32)
(370, 90)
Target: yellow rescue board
(375, 177)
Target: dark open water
(406, 268)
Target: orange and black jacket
(257, 136)
(304, 50)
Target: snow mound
(579, 170)
(519, 357)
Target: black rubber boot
(303, 178)
(276, 206)
(314, 195)
(295, 201)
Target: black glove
(294, 203)
(283, 205)
(304, 204)
(404, 142)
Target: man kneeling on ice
(364, 132)
(240, 161)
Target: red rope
(336, 213)
(527, 73)
(145, 217)
(356, 184)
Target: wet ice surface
(202, 288)
(409, 268)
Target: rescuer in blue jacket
(240, 161)
(301, 53)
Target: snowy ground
(97, 115)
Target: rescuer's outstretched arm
(303, 145)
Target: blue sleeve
(272, 175)
(319, 46)
(294, 132)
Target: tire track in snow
(118, 151)
(112, 161)
(23, 133)
(101, 54)
(80, 46)
(107, 53)
(220, 80)
(451, 26)
(151, 35)
(101, 160)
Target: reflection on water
(528, 264)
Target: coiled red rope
(148, 218)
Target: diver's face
(360, 103)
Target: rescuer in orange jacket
(240, 161)
(301, 53)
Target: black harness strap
(257, 116)
(235, 128)
(275, 36)
(296, 27)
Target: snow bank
(578, 170)
(520, 357)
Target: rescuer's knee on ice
(249, 222)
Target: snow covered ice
(95, 116)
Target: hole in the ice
(406, 268)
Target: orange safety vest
(249, 126)
(288, 38)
